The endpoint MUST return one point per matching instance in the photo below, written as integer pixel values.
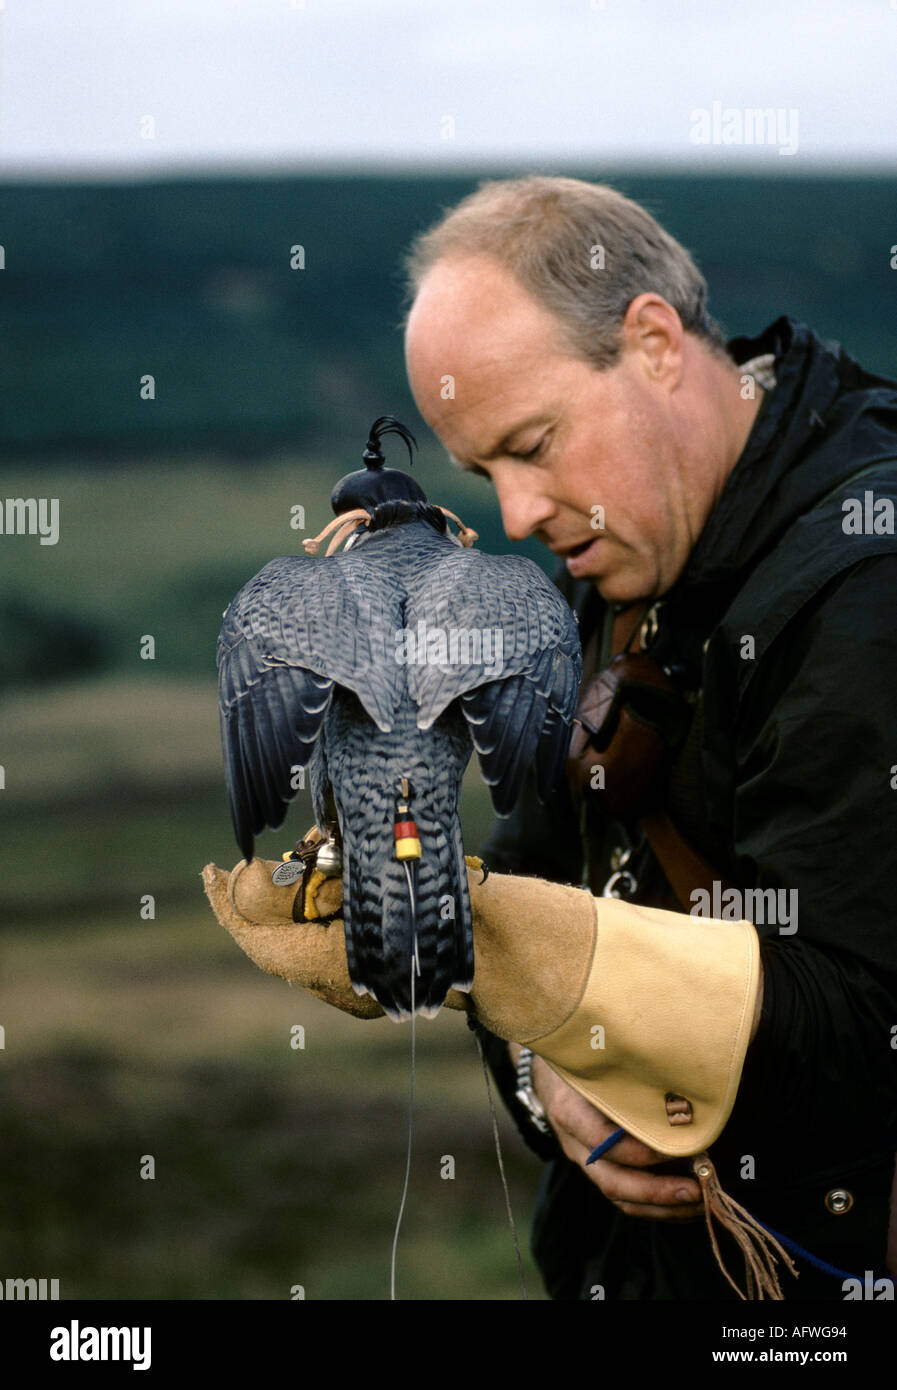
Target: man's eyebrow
(464, 468)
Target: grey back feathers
(307, 624)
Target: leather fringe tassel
(466, 534)
(343, 525)
(756, 1245)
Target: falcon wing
(301, 626)
(520, 700)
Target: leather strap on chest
(630, 722)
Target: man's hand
(580, 1127)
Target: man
(733, 503)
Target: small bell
(329, 860)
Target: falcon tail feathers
(396, 914)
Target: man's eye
(531, 453)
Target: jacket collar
(767, 488)
(785, 467)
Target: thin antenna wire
(410, 879)
(501, 1166)
(395, 1239)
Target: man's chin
(590, 567)
(619, 589)
(618, 584)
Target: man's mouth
(579, 558)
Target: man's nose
(524, 506)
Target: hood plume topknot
(372, 485)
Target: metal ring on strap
(610, 888)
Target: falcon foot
(473, 861)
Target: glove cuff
(657, 1035)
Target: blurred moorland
(127, 1037)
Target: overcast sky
(131, 87)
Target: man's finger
(644, 1189)
(638, 1193)
(686, 1212)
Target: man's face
(559, 439)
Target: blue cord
(790, 1245)
(795, 1249)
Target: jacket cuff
(504, 1073)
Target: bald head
(475, 337)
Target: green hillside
(191, 282)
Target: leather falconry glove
(646, 1013)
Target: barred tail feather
(393, 916)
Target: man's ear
(652, 329)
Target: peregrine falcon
(380, 668)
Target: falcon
(379, 668)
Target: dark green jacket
(788, 780)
